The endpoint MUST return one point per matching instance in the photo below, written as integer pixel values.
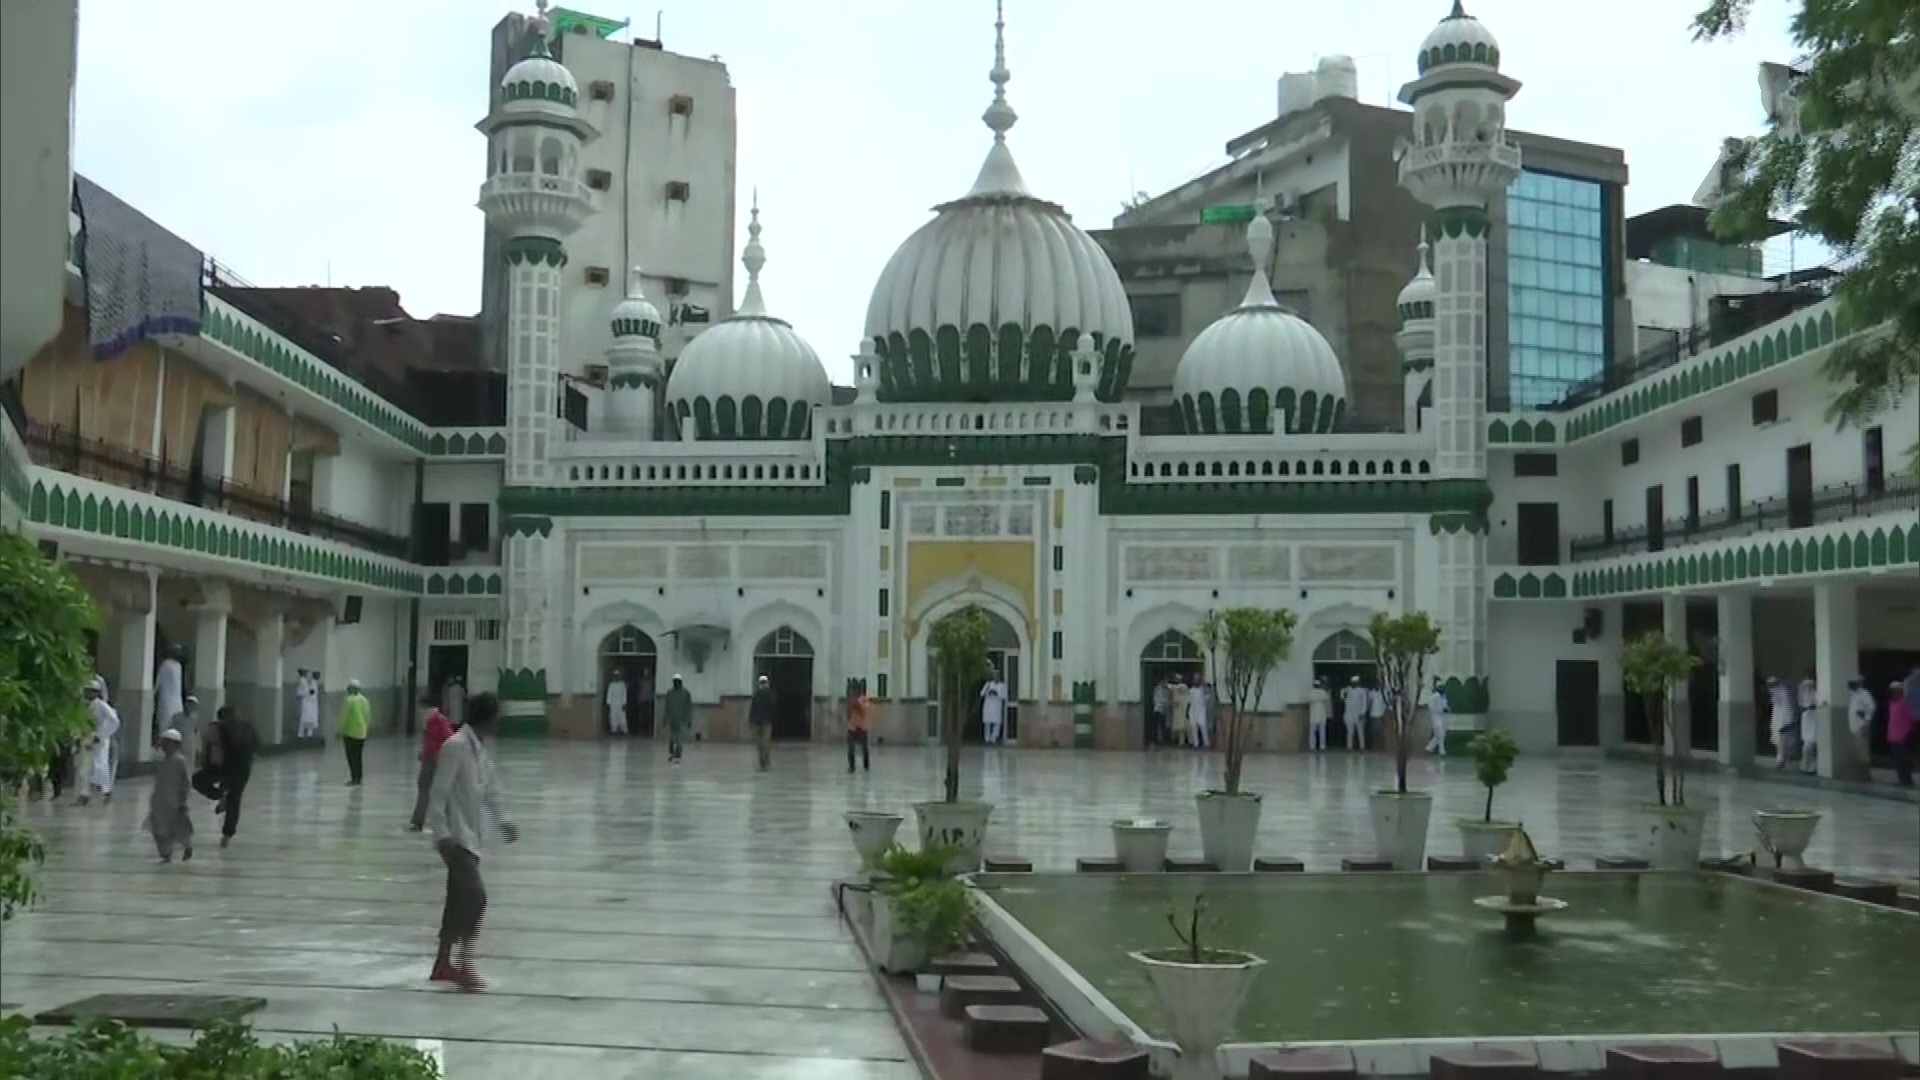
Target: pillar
(1673, 624)
(1613, 691)
(269, 709)
(1737, 717)
(209, 675)
(1836, 659)
(132, 688)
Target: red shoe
(444, 972)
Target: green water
(1408, 956)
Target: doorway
(444, 664)
(1172, 654)
(1703, 683)
(632, 653)
(786, 659)
(1800, 486)
(1337, 662)
(1576, 699)
(1003, 650)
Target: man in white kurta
(1319, 705)
(617, 704)
(1781, 720)
(97, 756)
(1810, 709)
(1198, 701)
(1439, 711)
(169, 696)
(1860, 710)
(306, 692)
(993, 709)
(1353, 713)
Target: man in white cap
(679, 705)
(168, 690)
(1353, 713)
(1319, 705)
(356, 719)
(167, 816)
(1439, 711)
(306, 692)
(616, 699)
(97, 754)
(760, 719)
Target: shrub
(108, 1050)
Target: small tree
(960, 642)
(1653, 665)
(44, 619)
(1493, 752)
(1401, 646)
(1243, 647)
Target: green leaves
(1401, 646)
(1493, 753)
(1243, 646)
(106, 1050)
(960, 641)
(1652, 665)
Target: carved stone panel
(1375, 563)
(1173, 563)
(1020, 520)
(783, 562)
(1266, 563)
(708, 563)
(923, 520)
(623, 562)
(971, 519)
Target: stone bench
(1884, 893)
(1007, 1029)
(1805, 878)
(1279, 864)
(1621, 862)
(957, 992)
(1836, 1059)
(1484, 1063)
(1314, 1063)
(1664, 1061)
(1090, 1060)
(1364, 864)
(1008, 864)
(965, 963)
(1174, 865)
(1099, 865)
(1452, 864)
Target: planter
(1482, 840)
(1141, 844)
(1673, 837)
(872, 832)
(1200, 1002)
(1228, 824)
(896, 949)
(960, 825)
(1785, 834)
(926, 982)
(1400, 827)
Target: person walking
(1319, 705)
(433, 735)
(1198, 701)
(1860, 710)
(616, 699)
(168, 819)
(455, 700)
(1810, 709)
(1353, 713)
(1439, 711)
(760, 720)
(356, 718)
(228, 748)
(1903, 731)
(97, 752)
(465, 807)
(858, 706)
(1157, 723)
(306, 692)
(993, 709)
(169, 689)
(679, 719)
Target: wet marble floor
(675, 922)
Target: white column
(269, 678)
(533, 342)
(209, 661)
(1460, 431)
(1736, 679)
(1836, 659)
(1673, 624)
(1613, 691)
(133, 685)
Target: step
(1279, 864)
(1453, 864)
(1190, 865)
(1364, 864)
(1087, 1059)
(959, 991)
(1099, 865)
(1836, 1059)
(965, 963)
(1484, 1063)
(1728, 864)
(1305, 1063)
(1621, 862)
(1809, 878)
(1664, 1061)
(1007, 1029)
(1885, 893)
(1008, 864)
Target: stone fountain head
(1523, 868)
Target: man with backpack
(227, 749)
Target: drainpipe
(413, 605)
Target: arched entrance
(1165, 657)
(1336, 663)
(786, 659)
(1003, 649)
(631, 652)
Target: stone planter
(1400, 827)
(1673, 837)
(1228, 825)
(896, 949)
(1482, 840)
(1199, 1001)
(960, 825)
(872, 832)
(1785, 834)
(1141, 844)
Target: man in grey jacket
(466, 805)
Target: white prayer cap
(191, 700)
(353, 684)
(676, 676)
(96, 684)
(170, 735)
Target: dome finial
(1260, 246)
(636, 283)
(753, 258)
(1459, 10)
(1425, 250)
(998, 174)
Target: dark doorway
(445, 663)
(631, 652)
(1656, 518)
(1703, 685)
(1637, 619)
(1800, 486)
(1003, 649)
(1165, 657)
(786, 659)
(1881, 668)
(1576, 696)
(1338, 661)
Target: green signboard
(1226, 214)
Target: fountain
(1523, 870)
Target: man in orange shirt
(858, 705)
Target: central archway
(629, 651)
(1004, 650)
(785, 657)
(1343, 657)
(1169, 656)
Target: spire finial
(1459, 10)
(636, 283)
(1425, 269)
(1260, 246)
(753, 257)
(999, 116)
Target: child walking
(167, 816)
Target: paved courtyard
(675, 923)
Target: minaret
(1415, 339)
(633, 363)
(1459, 161)
(533, 195)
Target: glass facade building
(1556, 287)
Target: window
(1693, 505)
(1691, 431)
(599, 179)
(886, 510)
(434, 534)
(1873, 460)
(883, 603)
(678, 190)
(1059, 644)
(1536, 465)
(600, 90)
(1556, 286)
(1539, 534)
(1733, 493)
(1156, 315)
(1766, 407)
(1059, 558)
(597, 275)
(1606, 521)
(486, 630)
(1630, 452)
(1656, 518)
(476, 527)
(680, 105)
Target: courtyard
(676, 922)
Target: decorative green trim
(1412, 365)
(1457, 522)
(525, 525)
(1416, 309)
(1479, 53)
(725, 419)
(524, 684)
(955, 365)
(1310, 414)
(1457, 221)
(455, 583)
(1770, 346)
(1530, 586)
(1083, 693)
(949, 481)
(628, 380)
(208, 533)
(1759, 558)
(1471, 696)
(1520, 431)
(863, 474)
(481, 442)
(536, 249)
(226, 325)
(646, 328)
(540, 90)
(1036, 481)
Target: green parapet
(524, 685)
(1467, 697)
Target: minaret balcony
(1458, 173)
(536, 202)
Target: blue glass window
(1555, 287)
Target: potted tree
(1482, 838)
(1243, 647)
(1653, 665)
(959, 641)
(907, 907)
(1200, 991)
(1401, 646)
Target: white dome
(1416, 299)
(636, 316)
(539, 77)
(749, 376)
(1260, 368)
(1459, 39)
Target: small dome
(636, 316)
(1260, 368)
(1416, 300)
(1459, 39)
(539, 77)
(748, 376)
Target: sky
(306, 143)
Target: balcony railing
(1838, 502)
(68, 451)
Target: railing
(1342, 457)
(68, 451)
(1837, 502)
(955, 418)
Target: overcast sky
(295, 141)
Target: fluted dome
(748, 376)
(1459, 39)
(636, 316)
(989, 299)
(1416, 299)
(1260, 368)
(539, 77)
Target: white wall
(474, 482)
(1674, 298)
(361, 486)
(1526, 642)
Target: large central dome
(987, 302)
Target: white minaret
(633, 364)
(1458, 161)
(1415, 339)
(533, 194)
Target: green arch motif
(1553, 587)
(1796, 340)
(1797, 558)
(1504, 587)
(476, 584)
(497, 444)
(1529, 587)
(1877, 551)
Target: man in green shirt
(356, 716)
